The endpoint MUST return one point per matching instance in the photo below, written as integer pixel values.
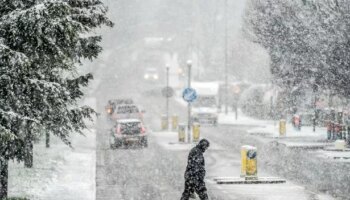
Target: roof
(206, 88)
(126, 105)
(128, 100)
(151, 69)
(128, 120)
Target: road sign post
(167, 92)
(189, 95)
(189, 64)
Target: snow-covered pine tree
(42, 42)
(11, 121)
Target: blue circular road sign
(189, 95)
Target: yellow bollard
(174, 123)
(182, 133)
(252, 164)
(249, 167)
(243, 161)
(196, 131)
(164, 123)
(282, 127)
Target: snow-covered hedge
(252, 102)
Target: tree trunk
(3, 177)
(28, 160)
(47, 140)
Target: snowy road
(157, 172)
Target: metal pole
(236, 110)
(167, 98)
(226, 61)
(47, 140)
(315, 113)
(189, 64)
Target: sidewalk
(270, 128)
(59, 172)
(306, 138)
(242, 120)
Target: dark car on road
(128, 131)
(113, 103)
(151, 75)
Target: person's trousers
(194, 185)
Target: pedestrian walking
(195, 172)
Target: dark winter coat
(196, 164)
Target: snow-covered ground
(306, 131)
(242, 120)
(305, 138)
(59, 172)
(169, 140)
(221, 161)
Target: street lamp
(189, 65)
(226, 60)
(167, 98)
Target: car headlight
(146, 76)
(155, 76)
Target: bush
(252, 102)
(15, 198)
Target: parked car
(126, 131)
(206, 107)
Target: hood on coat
(203, 145)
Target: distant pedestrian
(195, 172)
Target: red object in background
(143, 130)
(296, 119)
(337, 128)
(329, 126)
(117, 131)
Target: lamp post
(315, 108)
(167, 98)
(226, 61)
(189, 65)
(314, 89)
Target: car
(206, 107)
(127, 131)
(111, 105)
(151, 74)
